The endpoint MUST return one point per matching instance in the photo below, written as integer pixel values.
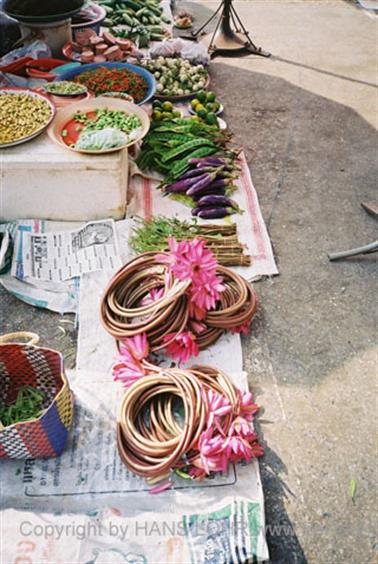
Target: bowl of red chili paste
(100, 78)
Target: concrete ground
(307, 119)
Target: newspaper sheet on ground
(61, 297)
(61, 255)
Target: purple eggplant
(212, 160)
(220, 183)
(183, 185)
(201, 183)
(208, 192)
(214, 213)
(197, 172)
(216, 200)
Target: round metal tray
(38, 131)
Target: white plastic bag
(36, 50)
(193, 52)
(107, 138)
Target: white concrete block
(41, 180)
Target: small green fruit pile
(205, 105)
(164, 110)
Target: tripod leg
(195, 33)
(246, 33)
(253, 48)
(215, 31)
(234, 22)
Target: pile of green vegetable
(108, 118)
(175, 76)
(170, 144)
(152, 235)
(28, 405)
(141, 20)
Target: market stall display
(24, 114)
(99, 125)
(114, 77)
(177, 78)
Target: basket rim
(64, 389)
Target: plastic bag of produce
(108, 138)
(193, 52)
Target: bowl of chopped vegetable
(24, 114)
(100, 125)
(65, 88)
(114, 77)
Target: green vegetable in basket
(28, 405)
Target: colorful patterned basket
(45, 437)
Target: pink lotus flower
(137, 346)
(247, 407)
(128, 369)
(237, 448)
(243, 428)
(206, 295)
(189, 260)
(153, 295)
(183, 345)
(218, 406)
(243, 328)
(212, 452)
(192, 260)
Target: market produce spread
(105, 79)
(22, 115)
(100, 129)
(178, 295)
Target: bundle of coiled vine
(193, 420)
(127, 309)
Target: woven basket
(45, 437)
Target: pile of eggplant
(208, 182)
